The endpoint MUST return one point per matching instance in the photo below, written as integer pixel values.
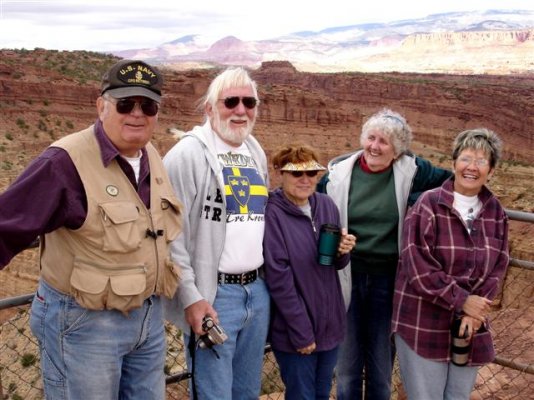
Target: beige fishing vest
(120, 255)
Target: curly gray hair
(393, 126)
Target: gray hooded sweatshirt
(196, 176)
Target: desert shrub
(41, 125)
(28, 359)
(7, 165)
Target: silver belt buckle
(243, 276)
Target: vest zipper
(156, 250)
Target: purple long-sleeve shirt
(308, 304)
(441, 264)
(49, 194)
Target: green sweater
(373, 217)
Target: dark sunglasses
(298, 174)
(126, 105)
(233, 101)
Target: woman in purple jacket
(454, 256)
(308, 314)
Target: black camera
(214, 334)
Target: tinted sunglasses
(126, 105)
(233, 101)
(298, 174)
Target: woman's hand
(308, 349)
(469, 324)
(477, 307)
(346, 243)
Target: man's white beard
(235, 136)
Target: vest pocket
(172, 216)
(100, 286)
(121, 232)
(171, 276)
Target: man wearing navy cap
(105, 215)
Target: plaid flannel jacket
(441, 264)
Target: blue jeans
(307, 377)
(95, 355)
(234, 372)
(367, 342)
(425, 379)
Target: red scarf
(365, 168)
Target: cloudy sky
(106, 25)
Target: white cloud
(105, 25)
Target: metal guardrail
(515, 262)
(516, 215)
(522, 216)
(16, 301)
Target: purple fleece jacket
(308, 304)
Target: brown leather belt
(238, 279)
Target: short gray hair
(479, 139)
(393, 126)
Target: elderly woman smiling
(373, 188)
(454, 256)
(308, 314)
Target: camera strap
(192, 349)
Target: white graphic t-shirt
(246, 197)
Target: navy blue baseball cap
(128, 78)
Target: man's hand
(195, 313)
